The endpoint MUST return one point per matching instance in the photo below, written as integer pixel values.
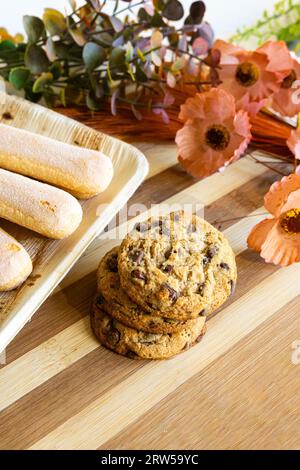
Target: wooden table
(237, 389)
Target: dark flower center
(247, 74)
(290, 222)
(289, 80)
(217, 137)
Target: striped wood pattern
(237, 389)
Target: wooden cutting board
(237, 389)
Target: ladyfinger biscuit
(42, 208)
(83, 172)
(15, 263)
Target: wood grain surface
(237, 389)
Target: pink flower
(252, 77)
(278, 239)
(287, 100)
(214, 134)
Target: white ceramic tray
(53, 259)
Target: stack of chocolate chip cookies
(156, 290)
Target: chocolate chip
(173, 294)
(7, 116)
(100, 300)
(168, 269)
(113, 336)
(137, 274)
(142, 227)
(163, 230)
(225, 266)
(137, 256)
(168, 253)
(112, 264)
(212, 251)
(202, 313)
(232, 287)
(206, 260)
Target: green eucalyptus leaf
(117, 58)
(56, 70)
(55, 22)
(156, 20)
(143, 15)
(93, 55)
(50, 50)
(92, 102)
(45, 79)
(173, 10)
(31, 96)
(68, 51)
(116, 24)
(34, 28)
(140, 75)
(103, 39)
(78, 36)
(36, 59)
(197, 12)
(18, 77)
(61, 50)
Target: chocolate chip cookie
(114, 300)
(177, 266)
(139, 344)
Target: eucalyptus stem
(95, 69)
(129, 7)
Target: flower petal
(286, 101)
(215, 108)
(280, 60)
(252, 97)
(279, 192)
(293, 202)
(281, 248)
(259, 234)
(214, 104)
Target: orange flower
(214, 134)
(286, 101)
(278, 239)
(252, 77)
